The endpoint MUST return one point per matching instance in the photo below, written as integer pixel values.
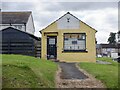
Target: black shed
(15, 41)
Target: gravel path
(75, 79)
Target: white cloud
(104, 21)
(60, 1)
(103, 17)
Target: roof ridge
(19, 31)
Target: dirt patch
(89, 82)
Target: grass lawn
(108, 74)
(27, 72)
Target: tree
(112, 38)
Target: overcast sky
(103, 16)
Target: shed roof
(37, 38)
(14, 17)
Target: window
(52, 41)
(75, 42)
(19, 27)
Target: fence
(21, 47)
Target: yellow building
(69, 39)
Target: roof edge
(63, 16)
(20, 31)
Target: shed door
(51, 47)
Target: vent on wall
(68, 22)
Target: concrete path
(70, 71)
(70, 75)
(102, 62)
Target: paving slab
(102, 62)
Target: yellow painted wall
(89, 56)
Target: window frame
(84, 50)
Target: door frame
(55, 46)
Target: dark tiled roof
(14, 17)
(109, 46)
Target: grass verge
(108, 74)
(20, 71)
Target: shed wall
(17, 42)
